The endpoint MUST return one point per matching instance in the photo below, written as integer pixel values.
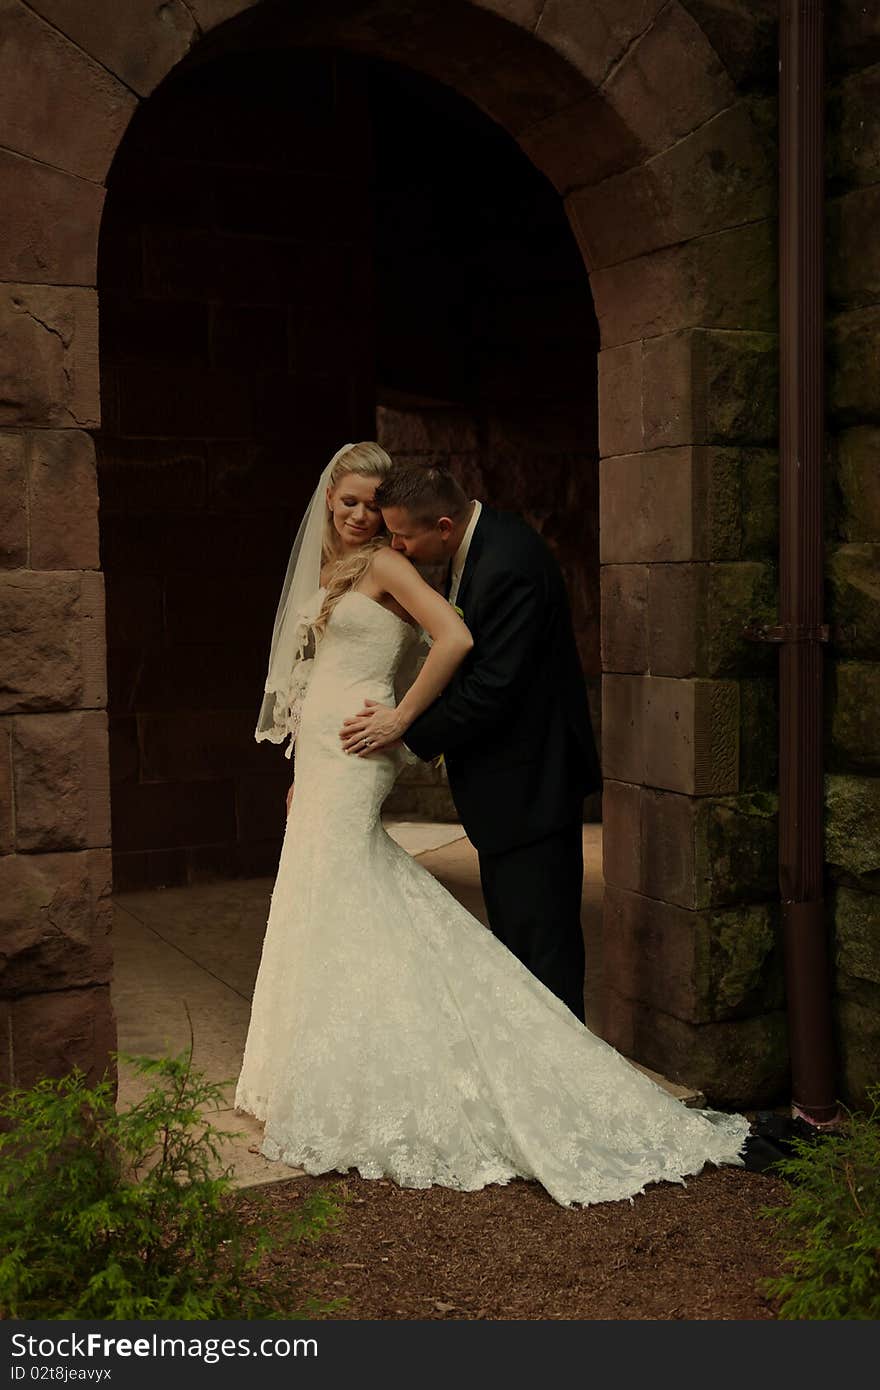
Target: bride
(390, 1031)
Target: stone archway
(652, 119)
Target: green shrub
(117, 1215)
(831, 1227)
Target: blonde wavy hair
(366, 460)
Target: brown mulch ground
(693, 1252)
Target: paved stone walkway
(199, 948)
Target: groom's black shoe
(771, 1139)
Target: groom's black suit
(514, 727)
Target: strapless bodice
(362, 643)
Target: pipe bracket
(756, 631)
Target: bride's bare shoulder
(387, 562)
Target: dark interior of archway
(301, 248)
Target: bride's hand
(374, 730)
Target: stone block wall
(55, 873)
(236, 356)
(853, 531)
(688, 503)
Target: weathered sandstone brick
(142, 49)
(594, 37)
(48, 356)
(52, 1032)
(712, 387)
(698, 966)
(623, 728)
(624, 612)
(721, 175)
(13, 500)
(582, 144)
(724, 280)
(57, 104)
(209, 13)
(696, 614)
(52, 643)
(63, 501)
(648, 507)
(49, 223)
(744, 34)
(736, 1062)
(621, 834)
(62, 781)
(692, 852)
(56, 918)
(669, 82)
(680, 504)
(678, 735)
(620, 396)
(697, 386)
(7, 806)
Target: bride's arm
(451, 642)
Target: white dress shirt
(461, 554)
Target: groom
(513, 724)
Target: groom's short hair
(427, 492)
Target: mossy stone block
(759, 734)
(746, 961)
(858, 1043)
(855, 715)
(854, 593)
(741, 838)
(852, 823)
(739, 376)
(738, 593)
(736, 1062)
(760, 504)
(857, 935)
(856, 474)
(853, 366)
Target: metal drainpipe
(802, 632)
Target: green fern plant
(831, 1226)
(124, 1215)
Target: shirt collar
(460, 556)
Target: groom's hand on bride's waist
(374, 730)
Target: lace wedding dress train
(391, 1032)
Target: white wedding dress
(392, 1033)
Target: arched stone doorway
(300, 247)
(652, 121)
